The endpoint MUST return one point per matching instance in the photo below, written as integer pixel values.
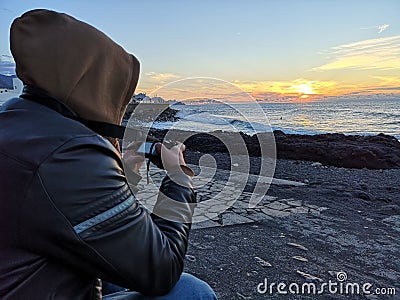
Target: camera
(148, 149)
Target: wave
(245, 127)
(200, 119)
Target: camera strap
(148, 163)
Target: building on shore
(143, 98)
(10, 87)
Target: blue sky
(262, 46)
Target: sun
(304, 89)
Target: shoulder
(32, 133)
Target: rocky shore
(348, 151)
(150, 112)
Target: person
(69, 220)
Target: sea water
(363, 117)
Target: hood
(75, 63)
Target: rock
(209, 236)
(239, 210)
(316, 164)
(262, 262)
(298, 246)
(235, 233)
(299, 210)
(190, 257)
(309, 277)
(242, 296)
(275, 213)
(299, 258)
(390, 209)
(233, 248)
(150, 113)
(219, 208)
(277, 205)
(252, 273)
(361, 194)
(294, 202)
(393, 219)
(349, 151)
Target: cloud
(380, 53)
(303, 90)
(161, 76)
(294, 87)
(293, 90)
(386, 83)
(382, 27)
(7, 10)
(394, 88)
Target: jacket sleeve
(100, 229)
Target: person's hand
(172, 158)
(131, 159)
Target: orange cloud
(297, 87)
(161, 76)
(298, 90)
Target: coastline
(380, 151)
(339, 150)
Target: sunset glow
(283, 51)
(304, 89)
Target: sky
(274, 50)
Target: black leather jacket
(68, 216)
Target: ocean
(362, 117)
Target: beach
(333, 210)
(358, 233)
